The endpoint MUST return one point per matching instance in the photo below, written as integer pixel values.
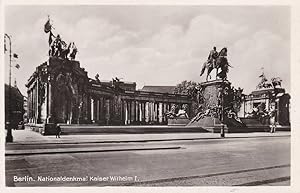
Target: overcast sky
(157, 45)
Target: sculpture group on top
(216, 60)
(58, 47)
(265, 83)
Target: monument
(60, 91)
(217, 99)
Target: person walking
(273, 120)
(58, 131)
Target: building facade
(269, 98)
(14, 106)
(60, 91)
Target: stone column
(147, 112)
(31, 105)
(50, 101)
(92, 110)
(160, 112)
(88, 109)
(101, 109)
(46, 102)
(128, 112)
(107, 115)
(150, 112)
(132, 111)
(164, 111)
(143, 111)
(95, 109)
(98, 109)
(140, 112)
(34, 104)
(37, 101)
(155, 111)
(137, 111)
(125, 112)
(121, 110)
(28, 105)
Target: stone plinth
(178, 121)
(212, 103)
(211, 93)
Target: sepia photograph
(133, 95)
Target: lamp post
(222, 132)
(9, 137)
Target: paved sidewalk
(31, 137)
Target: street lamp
(222, 131)
(9, 137)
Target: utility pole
(222, 132)
(9, 137)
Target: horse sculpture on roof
(265, 83)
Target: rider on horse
(213, 55)
(216, 61)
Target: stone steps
(133, 129)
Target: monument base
(178, 121)
(207, 118)
(210, 124)
(44, 129)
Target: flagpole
(9, 137)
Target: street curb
(140, 141)
(89, 151)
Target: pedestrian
(273, 120)
(58, 131)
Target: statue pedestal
(211, 93)
(212, 102)
(182, 121)
(210, 124)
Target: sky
(156, 45)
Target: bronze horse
(221, 62)
(276, 81)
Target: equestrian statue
(216, 61)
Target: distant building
(14, 106)
(26, 109)
(268, 97)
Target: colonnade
(145, 112)
(33, 105)
(129, 111)
(101, 110)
